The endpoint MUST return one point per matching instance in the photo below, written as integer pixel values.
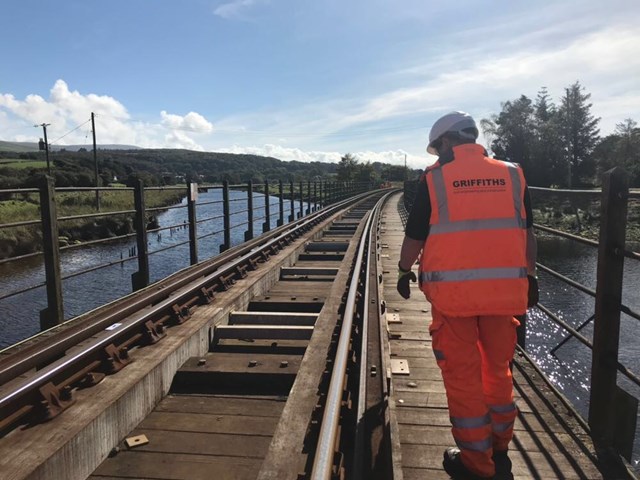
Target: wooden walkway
(548, 444)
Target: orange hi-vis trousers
(474, 355)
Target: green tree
(579, 133)
(547, 150)
(513, 133)
(621, 149)
(347, 168)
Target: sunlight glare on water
(569, 368)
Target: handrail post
(54, 313)
(140, 279)
(281, 205)
(308, 197)
(226, 217)
(192, 198)
(606, 330)
(248, 234)
(315, 196)
(266, 226)
(292, 198)
(301, 201)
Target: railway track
(270, 355)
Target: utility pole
(46, 145)
(406, 174)
(95, 160)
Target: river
(19, 315)
(568, 368)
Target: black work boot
(453, 465)
(503, 465)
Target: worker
(471, 226)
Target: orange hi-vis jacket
(474, 258)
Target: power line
(70, 132)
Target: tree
(548, 150)
(621, 149)
(347, 168)
(514, 132)
(579, 133)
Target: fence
(612, 412)
(276, 200)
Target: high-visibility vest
(474, 259)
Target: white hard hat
(452, 122)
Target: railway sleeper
(251, 373)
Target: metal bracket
(207, 295)
(253, 263)
(241, 271)
(91, 379)
(180, 314)
(152, 333)
(226, 282)
(116, 358)
(54, 401)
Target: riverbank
(581, 216)
(17, 241)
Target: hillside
(33, 147)
(167, 167)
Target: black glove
(404, 277)
(533, 294)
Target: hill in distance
(33, 147)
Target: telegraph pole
(406, 176)
(46, 145)
(95, 160)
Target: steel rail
(21, 257)
(162, 209)
(135, 312)
(323, 460)
(95, 215)
(93, 189)
(23, 223)
(98, 241)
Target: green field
(16, 163)
(23, 207)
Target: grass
(21, 164)
(24, 207)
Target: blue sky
(298, 79)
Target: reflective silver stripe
(441, 194)
(477, 446)
(471, 422)
(509, 407)
(485, 224)
(502, 427)
(515, 186)
(474, 274)
(438, 354)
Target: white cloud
(605, 61)
(64, 110)
(288, 153)
(177, 139)
(191, 121)
(235, 8)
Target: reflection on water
(570, 367)
(19, 315)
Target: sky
(300, 79)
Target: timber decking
(548, 444)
